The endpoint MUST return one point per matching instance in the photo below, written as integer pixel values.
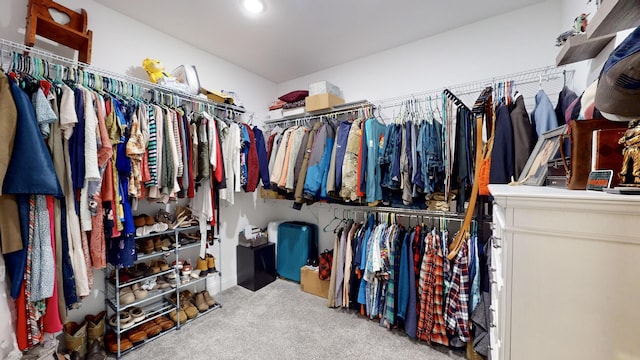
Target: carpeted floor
(282, 322)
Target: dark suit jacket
(522, 136)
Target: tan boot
(211, 263)
(208, 298)
(95, 327)
(202, 265)
(201, 303)
(76, 337)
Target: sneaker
(186, 268)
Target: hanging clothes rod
(524, 77)
(7, 46)
(408, 212)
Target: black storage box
(256, 266)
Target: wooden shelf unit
(579, 48)
(614, 16)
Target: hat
(618, 93)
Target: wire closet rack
(130, 84)
(551, 79)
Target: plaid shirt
(457, 303)
(425, 293)
(431, 326)
(439, 331)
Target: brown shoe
(146, 245)
(152, 329)
(201, 303)
(125, 345)
(164, 323)
(137, 335)
(190, 309)
(157, 243)
(208, 298)
(174, 316)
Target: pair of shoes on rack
(204, 301)
(149, 229)
(186, 268)
(144, 332)
(186, 305)
(130, 294)
(124, 318)
(164, 322)
(142, 220)
(178, 316)
(111, 339)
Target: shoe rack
(155, 304)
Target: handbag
(580, 135)
(324, 268)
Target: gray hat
(618, 93)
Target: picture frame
(535, 170)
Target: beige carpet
(282, 322)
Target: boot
(95, 327)
(76, 337)
(202, 265)
(96, 351)
(211, 263)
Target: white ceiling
(293, 38)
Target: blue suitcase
(297, 242)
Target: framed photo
(535, 170)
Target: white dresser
(565, 274)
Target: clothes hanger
(325, 229)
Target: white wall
(120, 44)
(520, 40)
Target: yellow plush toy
(154, 69)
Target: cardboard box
(311, 283)
(322, 102)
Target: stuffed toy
(155, 70)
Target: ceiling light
(253, 6)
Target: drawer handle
(492, 269)
(494, 282)
(493, 226)
(496, 246)
(493, 325)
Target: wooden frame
(535, 170)
(73, 34)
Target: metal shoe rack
(157, 303)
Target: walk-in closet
(262, 179)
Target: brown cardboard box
(311, 283)
(322, 102)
